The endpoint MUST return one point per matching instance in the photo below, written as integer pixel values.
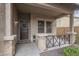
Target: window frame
(50, 27)
(45, 26)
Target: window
(48, 27)
(40, 26)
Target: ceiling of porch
(48, 9)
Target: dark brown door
(24, 26)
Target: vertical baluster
(53, 40)
(64, 37)
(46, 41)
(59, 39)
(69, 38)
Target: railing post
(41, 42)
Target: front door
(24, 26)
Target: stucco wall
(2, 19)
(14, 19)
(34, 24)
(2, 27)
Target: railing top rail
(50, 35)
(43, 34)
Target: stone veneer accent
(10, 38)
(9, 46)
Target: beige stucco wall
(2, 27)
(34, 24)
(14, 20)
(2, 19)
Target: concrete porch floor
(27, 49)
(30, 49)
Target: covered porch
(44, 35)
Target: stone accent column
(9, 39)
(72, 33)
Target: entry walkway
(29, 49)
